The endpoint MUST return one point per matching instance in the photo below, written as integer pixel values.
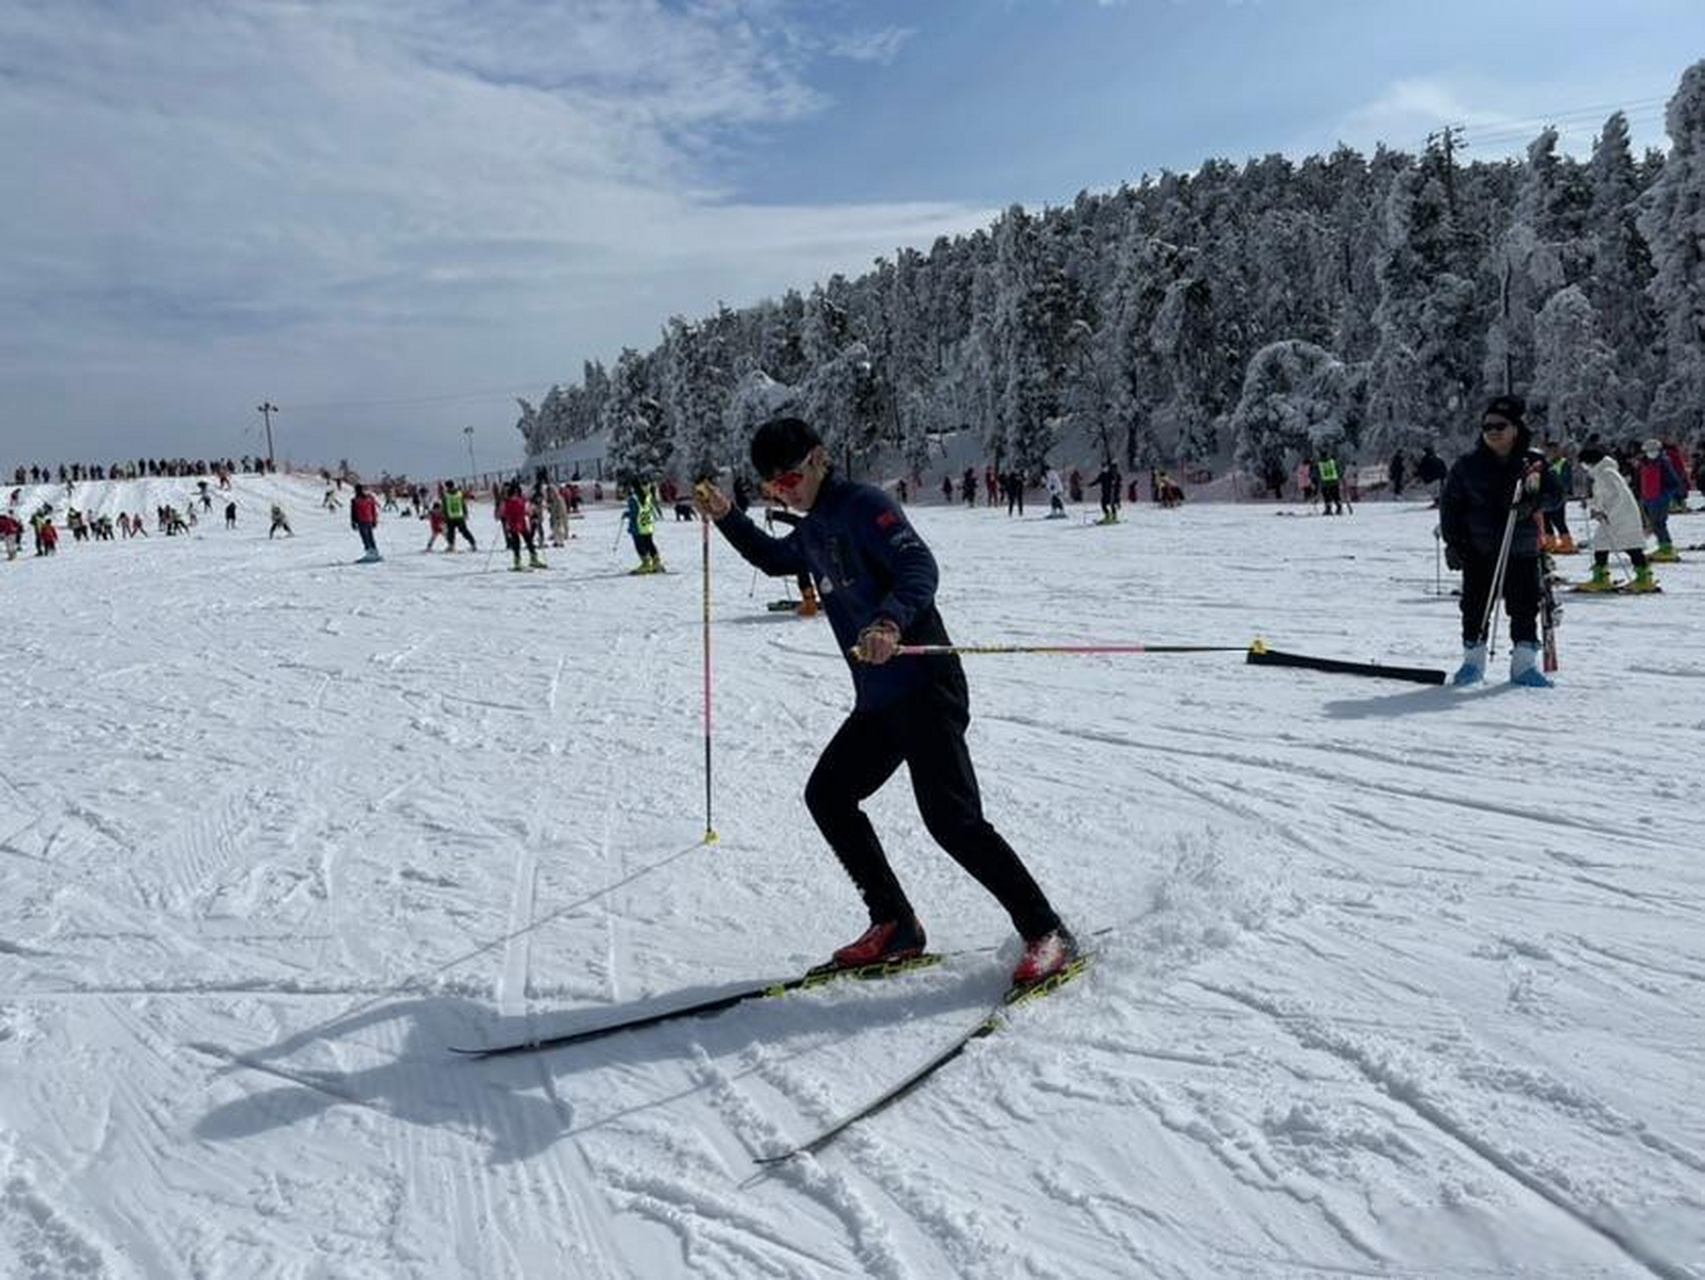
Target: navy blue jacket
(1475, 503)
(868, 563)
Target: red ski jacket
(514, 514)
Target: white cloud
(199, 199)
(872, 46)
(1407, 110)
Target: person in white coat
(1616, 525)
(1056, 495)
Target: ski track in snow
(1403, 982)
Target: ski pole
(1496, 591)
(940, 650)
(710, 836)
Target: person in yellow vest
(1331, 487)
(1558, 541)
(456, 517)
(641, 520)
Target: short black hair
(1591, 454)
(781, 443)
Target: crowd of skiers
(70, 473)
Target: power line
(1501, 134)
(1551, 117)
(408, 400)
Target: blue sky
(390, 218)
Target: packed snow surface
(1398, 980)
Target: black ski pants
(1521, 595)
(926, 733)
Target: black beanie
(781, 443)
(1512, 409)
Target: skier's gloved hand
(877, 642)
(711, 501)
(1453, 557)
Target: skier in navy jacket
(877, 581)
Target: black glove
(1453, 558)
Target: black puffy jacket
(1476, 501)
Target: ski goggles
(791, 478)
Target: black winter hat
(781, 443)
(1512, 409)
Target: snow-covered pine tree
(696, 384)
(1425, 362)
(1137, 376)
(843, 401)
(1297, 399)
(1673, 222)
(1183, 338)
(1576, 381)
(1622, 269)
(1528, 262)
(756, 398)
(641, 444)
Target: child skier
(641, 519)
(1659, 485)
(1056, 494)
(518, 528)
(435, 523)
(1617, 525)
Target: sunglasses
(1496, 424)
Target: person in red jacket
(435, 521)
(1658, 485)
(364, 518)
(518, 527)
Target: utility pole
(266, 409)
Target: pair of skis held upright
(990, 1022)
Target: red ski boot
(890, 940)
(1045, 956)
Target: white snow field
(1400, 980)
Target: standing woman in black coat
(1474, 511)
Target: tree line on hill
(1262, 313)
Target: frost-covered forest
(1245, 313)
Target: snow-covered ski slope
(1403, 981)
